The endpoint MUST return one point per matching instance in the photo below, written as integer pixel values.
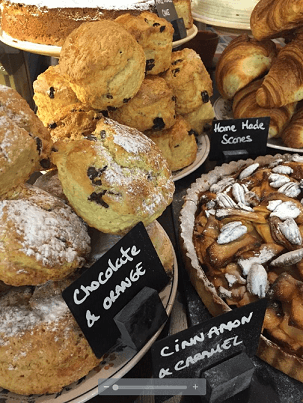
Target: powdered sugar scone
(51, 92)
(42, 348)
(241, 237)
(189, 80)
(114, 178)
(153, 107)
(73, 122)
(19, 112)
(155, 35)
(103, 63)
(41, 238)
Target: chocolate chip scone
(178, 144)
(153, 107)
(155, 35)
(241, 231)
(52, 92)
(115, 177)
(189, 80)
(41, 238)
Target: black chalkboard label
(108, 285)
(187, 353)
(166, 9)
(235, 139)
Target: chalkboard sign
(235, 139)
(105, 288)
(166, 9)
(187, 353)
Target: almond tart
(241, 230)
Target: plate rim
(84, 396)
(200, 158)
(54, 51)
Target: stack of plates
(224, 13)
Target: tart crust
(268, 350)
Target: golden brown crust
(284, 82)
(275, 18)
(155, 35)
(50, 26)
(114, 178)
(177, 144)
(189, 80)
(153, 107)
(106, 78)
(41, 238)
(51, 92)
(292, 135)
(42, 348)
(73, 122)
(245, 106)
(201, 117)
(242, 61)
(281, 342)
(183, 8)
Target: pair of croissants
(263, 79)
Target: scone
(73, 121)
(241, 62)
(19, 112)
(42, 348)
(153, 107)
(189, 80)
(41, 238)
(178, 144)
(103, 63)
(200, 118)
(114, 178)
(52, 92)
(245, 106)
(155, 35)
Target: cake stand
(54, 51)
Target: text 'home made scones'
(41, 238)
(103, 63)
(114, 178)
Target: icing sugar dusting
(52, 237)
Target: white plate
(223, 110)
(115, 364)
(54, 51)
(202, 153)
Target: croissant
(292, 136)
(284, 82)
(275, 18)
(245, 106)
(242, 61)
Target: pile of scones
(114, 116)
